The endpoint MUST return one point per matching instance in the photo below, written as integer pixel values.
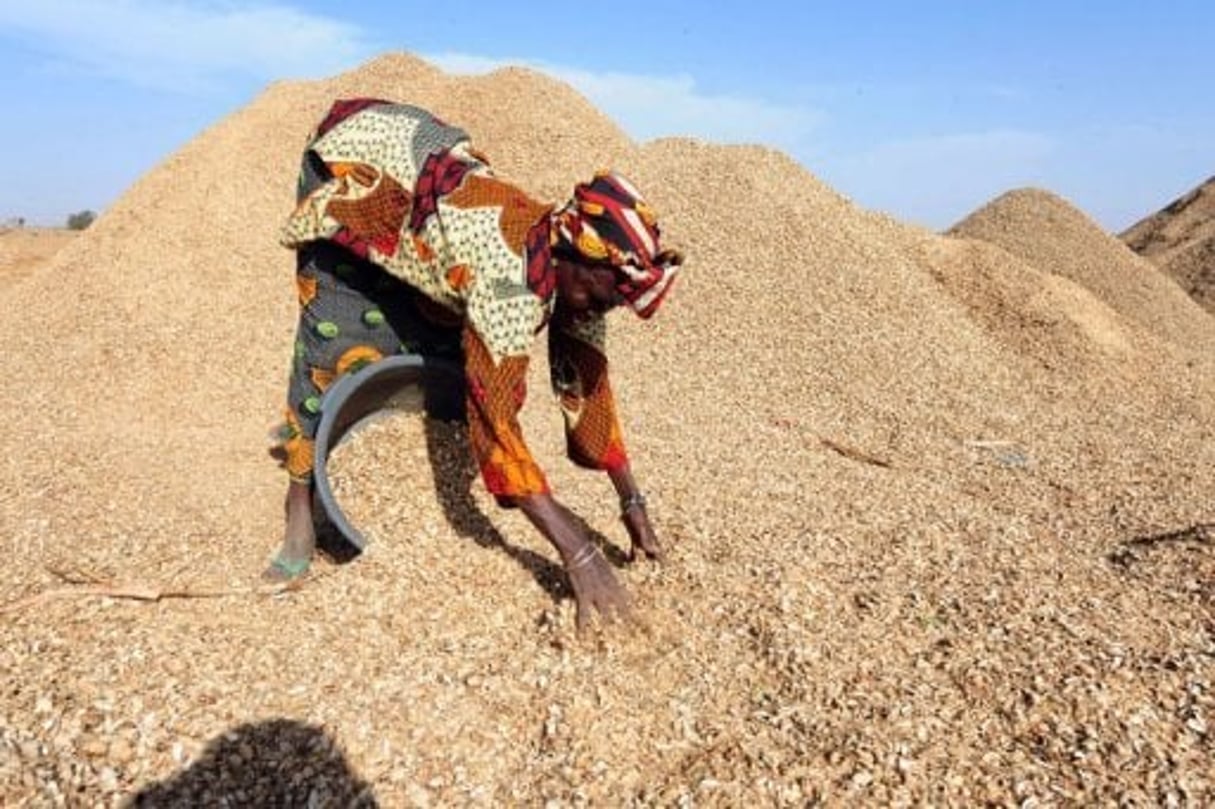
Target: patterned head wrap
(608, 222)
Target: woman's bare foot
(299, 538)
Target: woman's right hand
(596, 590)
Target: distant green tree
(80, 220)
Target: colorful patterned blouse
(401, 188)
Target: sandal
(289, 569)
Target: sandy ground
(24, 249)
(938, 509)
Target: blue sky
(924, 110)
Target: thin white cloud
(937, 180)
(999, 150)
(193, 45)
(183, 46)
(649, 107)
(1005, 92)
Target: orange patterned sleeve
(496, 393)
(580, 380)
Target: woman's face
(586, 288)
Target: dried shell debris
(913, 485)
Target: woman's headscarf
(609, 222)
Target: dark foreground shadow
(278, 763)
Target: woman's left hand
(642, 533)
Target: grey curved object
(356, 396)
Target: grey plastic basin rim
(358, 394)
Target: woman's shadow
(453, 473)
(447, 448)
(277, 763)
